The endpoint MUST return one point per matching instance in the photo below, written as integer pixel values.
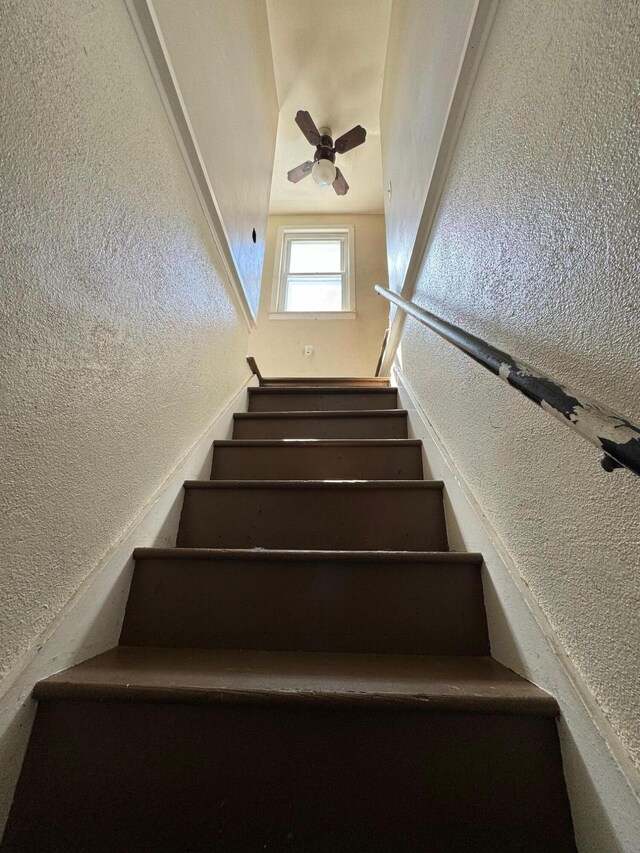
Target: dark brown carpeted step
(337, 459)
(321, 399)
(403, 515)
(236, 751)
(400, 603)
(359, 424)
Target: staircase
(307, 671)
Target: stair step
(172, 750)
(391, 423)
(325, 381)
(431, 684)
(376, 602)
(398, 515)
(299, 459)
(321, 398)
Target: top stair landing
(317, 381)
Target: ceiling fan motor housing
(324, 151)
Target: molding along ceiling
(329, 59)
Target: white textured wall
(535, 248)
(341, 347)
(221, 54)
(119, 339)
(426, 42)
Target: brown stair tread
(337, 413)
(381, 602)
(280, 555)
(418, 485)
(346, 423)
(316, 442)
(436, 684)
(326, 381)
(314, 514)
(320, 389)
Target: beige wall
(341, 347)
(426, 43)
(221, 55)
(535, 248)
(119, 338)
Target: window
(314, 274)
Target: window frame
(286, 234)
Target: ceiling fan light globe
(323, 173)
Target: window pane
(314, 294)
(315, 256)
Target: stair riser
(298, 401)
(373, 426)
(173, 777)
(313, 462)
(325, 519)
(308, 605)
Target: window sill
(312, 315)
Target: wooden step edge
(279, 555)
(329, 381)
(430, 684)
(297, 386)
(460, 704)
(263, 391)
(335, 413)
(284, 485)
(318, 442)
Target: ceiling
(328, 59)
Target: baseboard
(91, 620)
(603, 782)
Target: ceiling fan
(322, 168)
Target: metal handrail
(611, 433)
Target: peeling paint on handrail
(610, 432)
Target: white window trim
(277, 291)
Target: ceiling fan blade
(300, 172)
(340, 185)
(307, 126)
(351, 139)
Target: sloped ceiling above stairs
(329, 59)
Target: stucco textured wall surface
(221, 54)
(119, 338)
(536, 249)
(341, 347)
